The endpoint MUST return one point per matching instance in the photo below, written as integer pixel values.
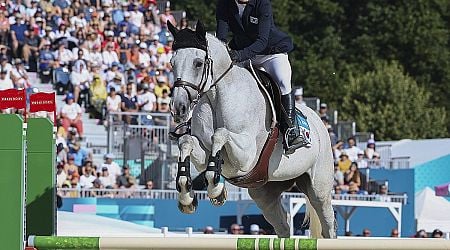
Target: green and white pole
(155, 243)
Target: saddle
(259, 175)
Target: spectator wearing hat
(87, 179)
(162, 85)
(98, 98)
(109, 56)
(126, 180)
(344, 163)
(299, 97)
(109, 40)
(95, 57)
(362, 162)
(323, 109)
(19, 75)
(48, 34)
(46, 58)
(71, 115)
(113, 168)
(80, 154)
(17, 33)
(80, 79)
(352, 150)
(370, 149)
(144, 57)
(115, 83)
(146, 100)
(254, 229)
(107, 180)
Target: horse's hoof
(189, 209)
(220, 200)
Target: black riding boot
(293, 137)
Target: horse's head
(192, 67)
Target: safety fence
(225, 242)
(203, 195)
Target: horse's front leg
(240, 151)
(189, 146)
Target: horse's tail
(314, 223)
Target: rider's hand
(234, 55)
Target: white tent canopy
(431, 211)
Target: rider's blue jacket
(253, 34)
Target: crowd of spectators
(99, 51)
(107, 56)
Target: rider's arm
(222, 21)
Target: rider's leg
(279, 68)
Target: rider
(256, 37)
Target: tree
(392, 104)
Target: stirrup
(300, 141)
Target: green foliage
(392, 104)
(338, 39)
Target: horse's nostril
(183, 109)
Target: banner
(13, 98)
(43, 102)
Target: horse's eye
(198, 63)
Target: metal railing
(151, 128)
(203, 195)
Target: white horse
(230, 120)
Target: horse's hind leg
(319, 195)
(268, 199)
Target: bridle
(200, 88)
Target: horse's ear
(172, 28)
(200, 30)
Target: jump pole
(217, 243)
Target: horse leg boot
(268, 199)
(294, 137)
(187, 201)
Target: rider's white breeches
(278, 67)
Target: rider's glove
(234, 55)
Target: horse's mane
(215, 45)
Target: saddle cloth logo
(254, 20)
